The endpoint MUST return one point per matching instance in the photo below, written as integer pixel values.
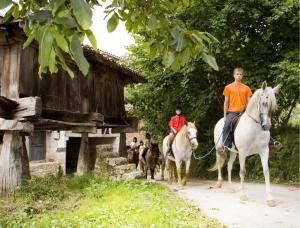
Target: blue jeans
(227, 136)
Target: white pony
(184, 143)
(251, 136)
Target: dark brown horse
(133, 156)
(152, 159)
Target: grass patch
(91, 202)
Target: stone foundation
(42, 168)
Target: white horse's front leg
(264, 157)
(219, 164)
(187, 168)
(229, 168)
(178, 167)
(242, 159)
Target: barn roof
(115, 62)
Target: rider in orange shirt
(237, 96)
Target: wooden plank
(49, 124)
(15, 125)
(20, 108)
(69, 116)
(8, 104)
(28, 107)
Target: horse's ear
(194, 122)
(264, 85)
(276, 89)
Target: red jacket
(177, 122)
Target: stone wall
(41, 168)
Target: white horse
(251, 136)
(184, 143)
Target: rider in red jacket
(176, 123)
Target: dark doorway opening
(73, 146)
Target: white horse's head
(265, 101)
(192, 135)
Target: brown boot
(274, 146)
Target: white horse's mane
(254, 100)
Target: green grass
(91, 202)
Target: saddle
(233, 125)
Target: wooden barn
(31, 107)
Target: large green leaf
(60, 39)
(41, 16)
(5, 3)
(112, 23)
(62, 61)
(168, 58)
(181, 43)
(45, 40)
(92, 38)
(210, 60)
(82, 12)
(77, 53)
(30, 38)
(67, 22)
(52, 62)
(56, 4)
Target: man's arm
(226, 102)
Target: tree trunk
(83, 157)
(10, 162)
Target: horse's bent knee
(242, 172)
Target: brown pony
(152, 159)
(133, 156)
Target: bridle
(191, 138)
(260, 115)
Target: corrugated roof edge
(104, 57)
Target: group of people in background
(141, 146)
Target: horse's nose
(266, 127)
(194, 145)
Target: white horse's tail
(221, 158)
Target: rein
(211, 150)
(256, 121)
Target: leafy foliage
(261, 36)
(60, 26)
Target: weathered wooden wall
(102, 90)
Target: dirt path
(226, 207)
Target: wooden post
(10, 162)
(122, 145)
(83, 157)
(84, 151)
(25, 161)
(12, 147)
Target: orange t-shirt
(237, 94)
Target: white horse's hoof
(219, 184)
(232, 190)
(271, 203)
(243, 198)
(180, 187)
